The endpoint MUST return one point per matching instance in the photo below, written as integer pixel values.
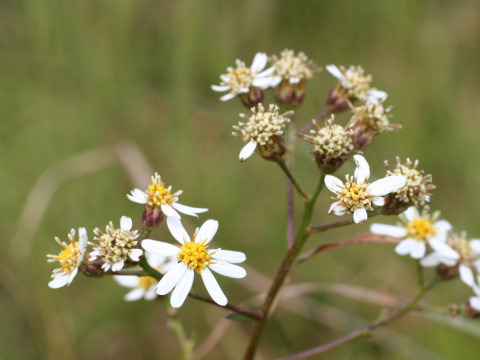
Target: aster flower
(357, 196)
(194, 256)
(418, 231)
(263, 131)
(144, 286)
(245, 81)
(70, 258)
(116, 246)
(159, 201)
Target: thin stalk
(290, 194)
(286, 170)
(186, 344)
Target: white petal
(475, 303)
(333, 184)
(126, 280)
(150, 293)
(390, 230)
(188, 210)
(227, 97)
(117, 266)
(135, 294)
(442, 226)
(125, 223)
(294, 80)
(259, 62)
(379, 201)
(82, 237)
(135, 254)
(360, 216)
(375, 95)
(405, 247)
(159, 247)
(233, 257)
(337, 209)
(263, 83)
(335, 71)
(475, 245)
(432, 259)
(418, 250)
(362, 172)
(230, 270)
(177, 230)
(267, 73)
(386, 185)
(207, 231)
(466, 274)
(138, 196)
(220, 88)
(72, 275)
(411, 213)
(213, 288)
(171, 279)
(448, 261)
(169, 211)
(443, 249)
(182, 289)
(247, 150)
(59, 281)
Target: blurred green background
(96, 94)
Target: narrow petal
(134, 295)
(379, 201)
(233, 257)
(207, 231)
(227, 97)
(387, 185)
(267, 73)
(188, 210)
(150, 293)
(259, 62)
(411, 213)
(475, 245)
(475, 302)
(418, 250)
(171, 279)
(362, 172)
(126, 280)
(213, 288)
(82, 237)
(430, 260)
(442, 226)
(405, 247)
(263, 83)
(466, 274)
(220, 88)
(334, 70)
(138, 196)
(125, 223)
(226, 269)
(337, 209)
(58, 281)
(360, 216)
(182, 289)
(169, 211)
(375, 95)
(333, 184)
(135, 254)
(117, 266)
(247, 150)
(177, 230)
(160, 248)
(390, 230)
(443, 249)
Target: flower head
(70, 258)
(194, 256)
(263, 131)
(357, 196)
(418, 231)
(247, 82)
(116, 246)
(159, 201)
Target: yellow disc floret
(146, 281)
(68, 257)
(158, 194)
(355, 196)
(240, 77)
(420, 229)
(195, 255)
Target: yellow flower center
(159, 195)
(195, 255)
(68, 257)
(420, 229)
(146, 281)
(355, 196)
(240, 78)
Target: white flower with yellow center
(159, 197)
(357, 196)
(418, 231)
(356, 83)
(293, 68)
(144, 286)
(239, 80)
(194, 256)
(116, 246)
(69, 258)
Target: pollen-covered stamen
(240, 77)
(355, 196)
(68, 257)
(420, 229)
(355, 81)
(146, 281)
(158, 194)
(195, 255)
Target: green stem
(289, 174)
(186, 344)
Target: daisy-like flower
(353, 84)
(194, 256)
(144, 286)
(263, 131)
(116, 246)
(160, 200)
(357, 196)
(248, 82)
(418, 231)
(70, 258)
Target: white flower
(144, 286)
(356, 83)
(116, 246)
(69, 258)
(418, 231)
(158, 197)
(194, 257)
(293, 68)
(240, 79)
(356, 195)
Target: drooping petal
(207, 231)
(177, 230)
(466, 274)
(138, 196)
(188, 210)
(182, 289)
(220, 88)
(259, 62)
(337, 209)
(247, 150)
(360, 216)
(230, 270)
(418, 251)
(443, 249)
(125, 223)
(227, 97)
(171, 279)
(126, 280)
(386, 185)
(59, 281)
(334, 70)
(213, 288)
(333, 184)
(411, 213)
(135, 254)
(442, 226)
(72, 275)
(169, 211)
(390, 230)
(134, 295)
(117, 266)
(405, 247)
(362, 172)
(229, 256)
(160, 248)
(379, 200)
(431, 260)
